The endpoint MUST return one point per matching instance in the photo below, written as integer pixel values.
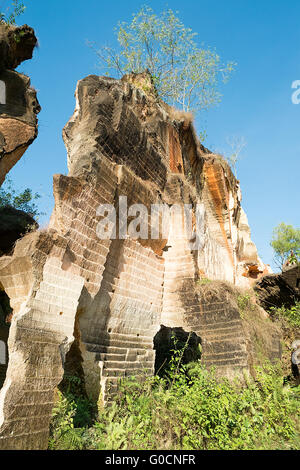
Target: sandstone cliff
(113, 295)
(18, 101)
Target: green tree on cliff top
(286, 244)
(11, 13)
(185, 75)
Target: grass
(190, 410)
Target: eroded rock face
(16, 45)
(18, 102)
(112, 295)
(275, 291)
(291, 275)
(44, 299)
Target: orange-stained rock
(113, 295)
(18, 102)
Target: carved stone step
(127, 373)
(111, 350)
(126, 344)
(112, 357)
(128, 365)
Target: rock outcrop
(18, 102)
(291, 275)
(113, 294)
(274, 291)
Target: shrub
(244, 304)
(24, 201)
(191, 410)
(289, 315)
(71, 415)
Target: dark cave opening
(72, 385)
(168, 340)
(5, 313)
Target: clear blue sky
(262, 36)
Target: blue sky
(263, 37)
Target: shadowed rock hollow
(14, 224)
(278, 290)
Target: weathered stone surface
(112, 296)
(14, 224)
(44, 298)
(16, 45)
(291, 275)
(275, 291)
(18, 102)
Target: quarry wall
(111, 295)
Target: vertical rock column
(18, 102)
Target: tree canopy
(23, 200)
(286, 244)
(184, 74)
(11, 13)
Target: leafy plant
(72, 414)
(9, 17)
(191, 409)
(24, 200)
(183, 73)
(293, 259)
(244, 303)
(286, 243)
(203, 281)
(291, 315)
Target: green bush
(290, 315)
(72, 414)
(191, 410)
(24, 201)
(244, 304)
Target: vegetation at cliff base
(189, 410)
